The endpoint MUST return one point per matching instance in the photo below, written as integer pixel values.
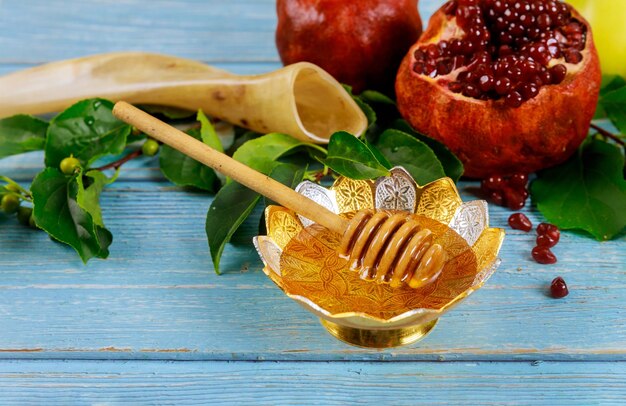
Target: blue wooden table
(154, 324)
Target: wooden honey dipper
(389, 247)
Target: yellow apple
(608, 23)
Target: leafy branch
(118, 164)
(65, 203)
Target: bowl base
(379, 338)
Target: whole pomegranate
(510, 86)
(360, 43)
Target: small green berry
(10, 203)
(68, 165)
(31, 222)
(24, 214)
(135, 131)
(150, 147)
(11, 187)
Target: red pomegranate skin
(360, 43)
(491, 138)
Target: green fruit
(10, 203)
(24, 214)
(69, 165)
(11, 187)
(31, 222)
(150, 147)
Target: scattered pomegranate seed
(519, 180)
(543, 255)
(519, 221)
(492, 183)
(549, 229)
(510, 192)
(514, 199)
(497, 198)
(546, 241)
(558, 288)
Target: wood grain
(355, 383)
(154, 324)
(157, 297)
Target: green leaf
(412, 154)
(378, 155)
(610, 83)
(183, 170)
(350, 157)
(588, 192)
(614, 103)
(14, 184)
(452, 166)
(289, 175)
(362, 102)
(231, 206)
(88, 130)
(261, 153)
(372, 96)
(89, 197)
(67, 218)
(367, 110)
(208, 134)
(172, 113)
(20, 134)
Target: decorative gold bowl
(301, 258)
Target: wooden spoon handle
(243, 174)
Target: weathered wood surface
(157, 298)
(314, 383)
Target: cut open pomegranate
(509, 85)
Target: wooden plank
(38, 31)
(158, 298)
(199, 29)
(206, 30)
(242, 68)
(243, 383)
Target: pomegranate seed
(545, 228)
(514, 200)
(485, 83)
(503, 85)
(450, 7)
(419, 55)
(544, 21)
(558, 288)
(518, 180)
(492, 183)
(513, 99)
(546, 241)
(519, 221)
(573, 56)
(455, 46)
(497, 198)
(543, 255)
(506, 49)
(550, 231)
(443, 68)
(456, 87)
(558, 73)
(524, 193)
(443, 45)
(471, 91)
